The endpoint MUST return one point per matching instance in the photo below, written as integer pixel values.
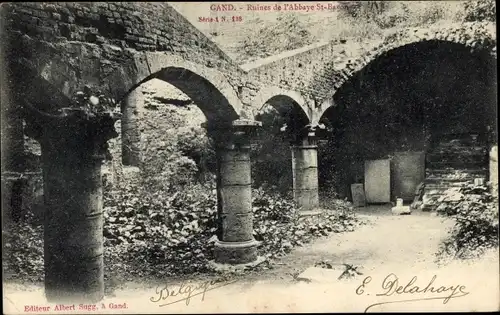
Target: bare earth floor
(390, 251)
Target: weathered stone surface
(236, 244)
(327, 65)
(305, 156)
(305, 174)
(73, 147)
(131, 136)
(307, 199)
(460, 160)
(221, 267)
(109, 52)
(235, 169)
(306, 178)
(235, 253)
(237, 227)
(236, 199)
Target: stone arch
(475, 36)
(207, 87)
(31, 86)
(70, 66)
(279, 98)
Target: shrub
(167, 232)
(154, 233)
(482, 10)
(162, 234)
(288, 33)
(23, 249)
(475, 211)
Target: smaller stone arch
(278, 97)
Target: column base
(236, 268)
(235, 253)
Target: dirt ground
(390, 250)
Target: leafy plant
(23, 249)
(94, 101)
(475, 211)
(482, 10)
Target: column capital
(306, 136)
(73, 128)
(234, 133)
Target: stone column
(73, 147)
(131, 136)
(305, 170)
(235, 244)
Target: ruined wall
(69, 45)
(300, 68)
(72, 44)
(320, 70)
(168, 123)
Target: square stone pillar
(73, 148)
(305, 171)
(235, 244)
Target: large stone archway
(414, 99)
(476, 37)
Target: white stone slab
(401, 210)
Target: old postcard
(249, 157)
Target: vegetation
(475, 211)
(164, 223)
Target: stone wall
(300, 68)
(163, 113)
(456, 161)
(103, 44)
(140, 26)
(320, 70)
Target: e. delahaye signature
(391, 285)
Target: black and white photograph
(249, 157)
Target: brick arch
(277, 97)
(474, 36)
(207, 87)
